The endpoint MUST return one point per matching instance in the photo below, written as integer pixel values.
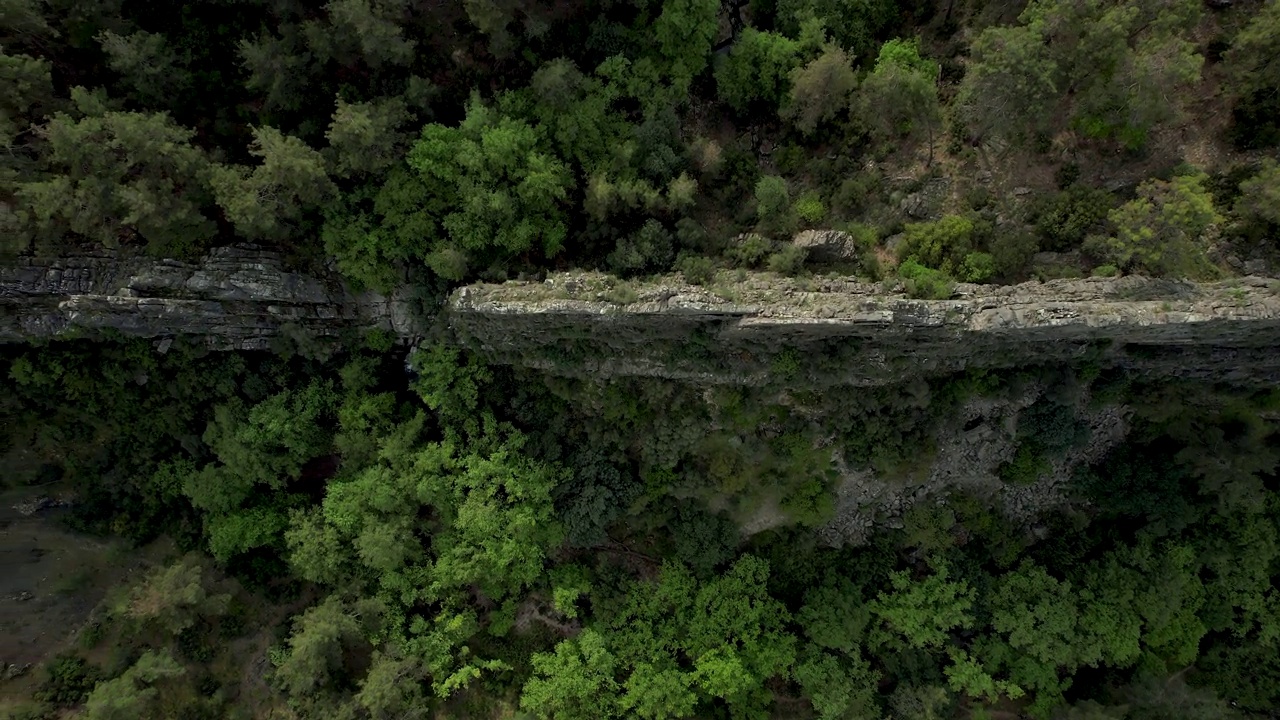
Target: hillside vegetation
(486, 138)
(361, 530)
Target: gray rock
(1054, 259)
(1226, 331)
(827, 246)
(1256, 267)
(927, 202)
(236, 297)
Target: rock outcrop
(844, 332)
(823, 331)
(827, 246)
(237, 297)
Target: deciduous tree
(498, 192)
(757, 70)
(821, 89)
(900, 96)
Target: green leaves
(120, 177)
(677, 643)
(922, 612)
(365, 137)
(1120, 62)
(500, 195)
(269, 200)
(133, 694)
(314, 654)
(684, 32)
(820, 90)
(757, 70)
(576, 682)
(1161, 232)
(900, 96)
(1010, 86)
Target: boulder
(827, 246)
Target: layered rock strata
(236, 298)
(844, 332)
(830, 331)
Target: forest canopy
(483, 139)
(353, 528)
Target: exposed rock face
(836, 331)
(236, 298)
(827, 246)
(825, 331)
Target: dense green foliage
(484, 139)
(473, 540)
(364, 532)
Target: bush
(648, 250)
(68, 681)
(1012, 250)
(697, 269)
(1026, 467)
(854, 194)
(1065, 219)
(750, 251)
(1106, 271)
(942, 244)
(772, 197)
(788, 261)
(1162, 232)
(925, 283)
(810, 209)
(691, 235)
(977, 267)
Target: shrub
(977, 267)
(809, 208)
(68, 680)
(1012, 250)
(691, 235)
(854, 193)
(1259, 200)
(1026, 467)
(788, 261)
(1065, 219)
(942, 244)
(750, 251)
(1161, 232)
(696, 269)
(1106, 271)
(772, 197)
(924, 282)
(648, 250)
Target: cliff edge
(839, 331)
(235, 298)
(735, 330)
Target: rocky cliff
(235, 298)
(735, 330)
(839, 331)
